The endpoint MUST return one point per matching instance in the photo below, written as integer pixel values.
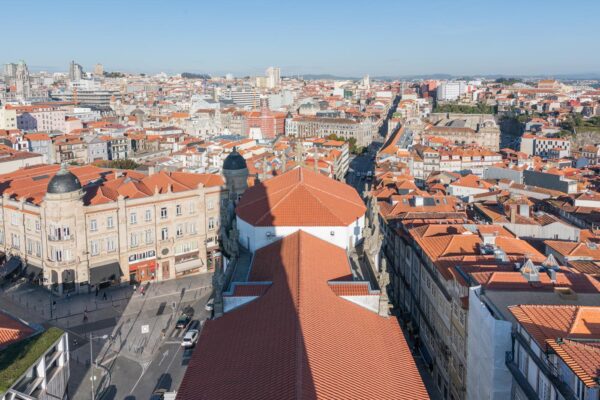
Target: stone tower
(235, 172)
(64, 230)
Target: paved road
(133, 380)
(138, 362)
(360, 165)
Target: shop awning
(32, 271)
(105, 273)
(10, 266)
(188, 265)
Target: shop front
(142, 271)
(104, 275)
(188, 263)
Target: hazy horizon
(467, 38)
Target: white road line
(144, 367)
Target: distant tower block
(99, 70)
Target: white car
(190, 338)
(210, 304)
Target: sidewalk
(120, 317)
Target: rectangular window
(210, 204)
(179, 231)
(148, 216)
(133, 218)
(178, 209)
(192, 228)
(29, 247)
(192, 207)
(110, 222)
(211, 223)
(149, 238)
(134, 240)
(38, 249)
(110, 244)
(16, 241)
(164, 234)
(1, 237)
(93, 225)
(14, 219)
(186, 247)
(163, 212)
(38, 226)
(94, 248)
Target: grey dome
(63, 182)
(234, 161)
(136, 112)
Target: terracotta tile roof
(102, 185)
(574, 249)
(300, 340)
(300, 197)
(352, 289)
(582, 358)
(544, 322)
(11, 330)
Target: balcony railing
(550, 372)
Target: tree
(118, 164)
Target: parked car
(190, 338)
(182, 321)
(210, 304)
(158, 394)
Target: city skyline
(348, 40)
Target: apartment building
(522, 322)
(42, 118)
(546, 147)
(430, 291)
(8, 118)
(451, 90)
(40, 368)
(363, 131)
(79, 228)
(480, 129)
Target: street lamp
(103, 337)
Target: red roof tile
(301, 197)
(300, 340)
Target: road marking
(165, 354)
(144, 366)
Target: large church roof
(301, 197)
(299, 339)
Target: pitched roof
(102, 185)
(301, 197)
(582, 358)
(299, 340)
(11, 330)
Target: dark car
(183, 321)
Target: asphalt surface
(134, 381)
(359, 166)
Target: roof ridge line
(299, 340)
(325, 206)
(272, 207)
(331, 194)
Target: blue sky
(348, 37)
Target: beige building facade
(80, 237)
